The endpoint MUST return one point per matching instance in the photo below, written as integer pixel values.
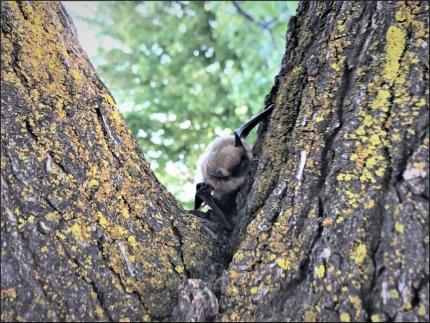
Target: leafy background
(184, 72)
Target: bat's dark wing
(243, 131)
(204, 194)
(197, 199)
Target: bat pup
(222, 171)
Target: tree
(334, 221)
(338, 207)
(87, 231)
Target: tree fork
(334, 222)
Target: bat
(222, 171)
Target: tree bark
(338, 209)
(87, 231)
(333, 224)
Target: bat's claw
(204, 194)
(204, 188)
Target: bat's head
(224, 164)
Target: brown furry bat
(223, 168)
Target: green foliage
(190, 71)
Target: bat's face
(224, 165)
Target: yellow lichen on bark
(396, 41)
(349, 88)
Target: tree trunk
(338, 208)
(87, 232)
(333, 225)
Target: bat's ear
(237, 141)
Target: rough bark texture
(87, 232)
(338, 208)
(334, 224)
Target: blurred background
(183, 73)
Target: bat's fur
(222, 171)
(222, 156)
